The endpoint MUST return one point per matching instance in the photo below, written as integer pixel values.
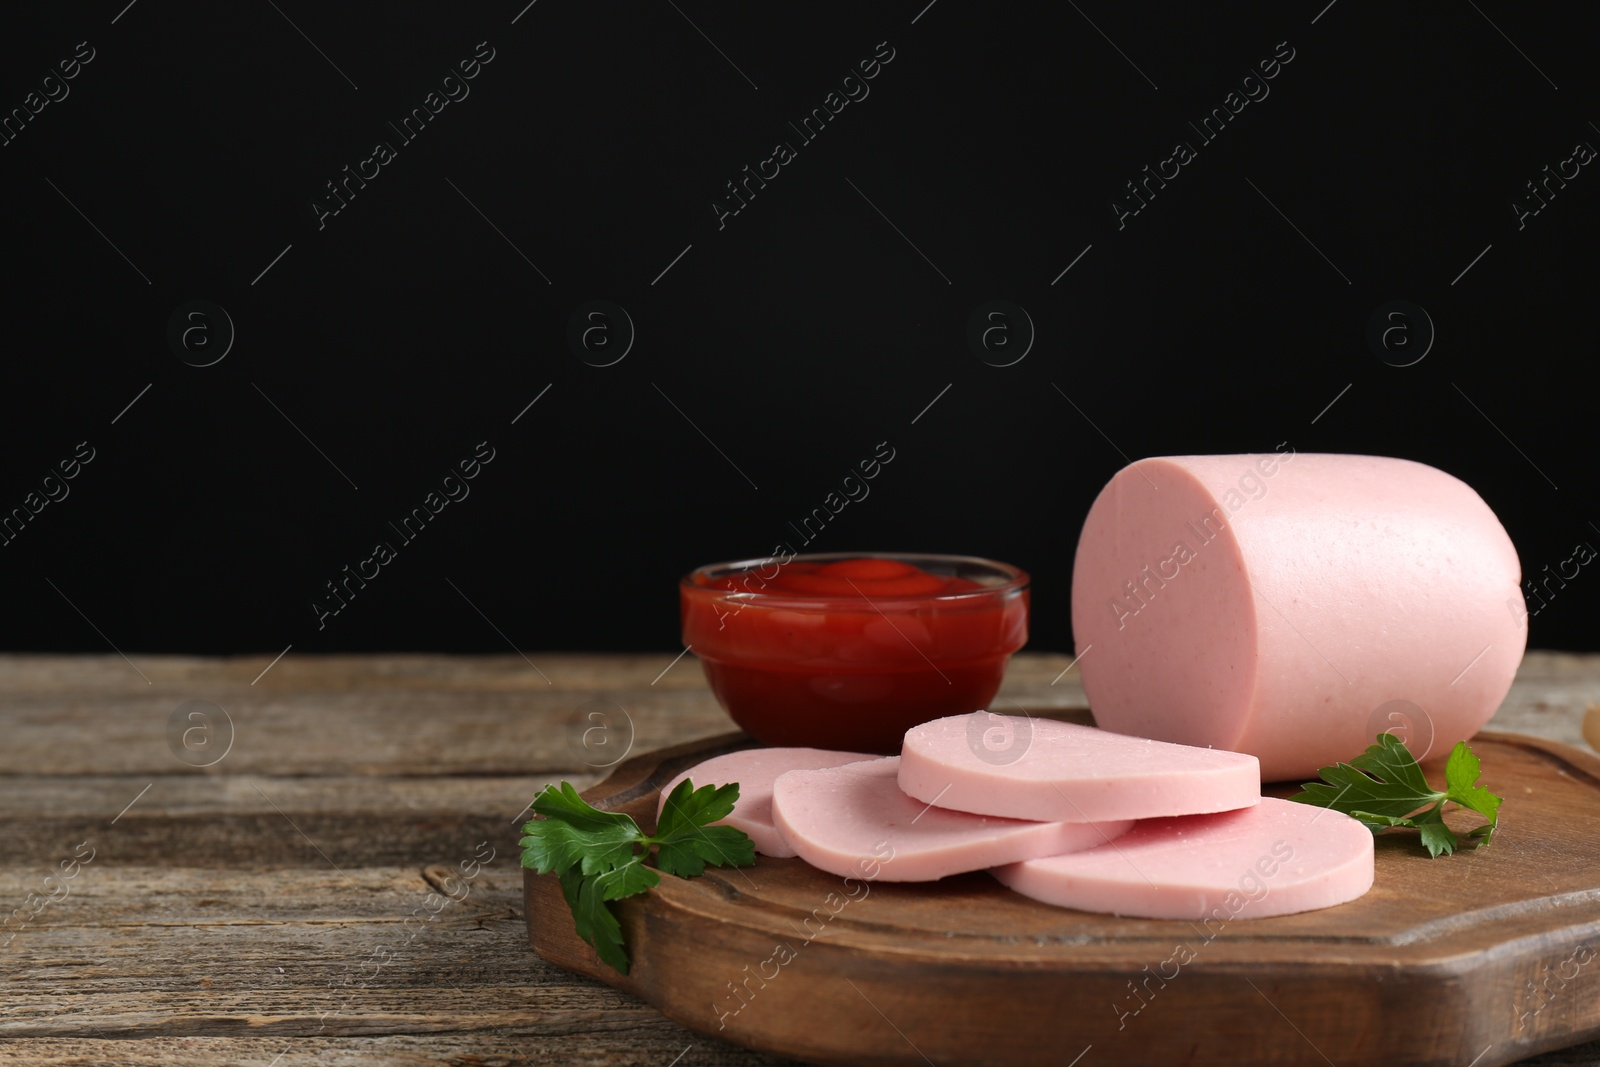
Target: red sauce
(851, 652)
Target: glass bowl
(848, 650)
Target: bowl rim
(1015, 579)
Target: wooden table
(341, 886)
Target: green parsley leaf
(599, 855)
(595, 922)
(574, 832)
(1384, 788)
(1461, 779)
(686, 843)
(1437, 837)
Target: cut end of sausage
(1162, 609)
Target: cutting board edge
(646, 921)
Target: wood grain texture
(354, 785)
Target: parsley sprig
(1384, 788)
(599, 855)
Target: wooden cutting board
(1478, 959)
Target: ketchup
(849, 652)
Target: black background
(796, 337)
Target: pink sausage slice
(1278, 604)
(755, 769)
(847, 819)
(1276, 858)
(1025, 768)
